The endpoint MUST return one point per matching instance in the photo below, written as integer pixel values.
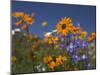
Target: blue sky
(52, 13)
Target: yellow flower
(78, 31)
(70, 28)
(83, 35)
(52, 65)
(52, 40)
(75, 30)
(29, 20)
(47, 59)
(23, 18)
(17, 14)
(93, 34)
(44, 23)
(26, 18)
(54, 62)
(92, 37)
(59, 60)
(18, 23)
(48, 40)
(24, 27)
(62, 26)
(56, 38)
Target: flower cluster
(53, 62)
(67, 47)
(73, 40)
(51, 39)
(23, 19)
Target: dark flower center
(63, 26)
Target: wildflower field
(67, 47)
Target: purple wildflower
(61, 46)
(70, 48)
(76, 58)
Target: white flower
(84, 56)
(54, 31)
(43, 69)
(48, 34)
(13, 32)
(17, 30)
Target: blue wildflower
(84, 45)
(70, 48)
(78, 43)
(89, 66)
(76, 58)
(61, 46)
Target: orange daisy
(62, 26)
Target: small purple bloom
(76, 58)
(84, 45)
(78, 43)
(89, 66)
(59, 36)
(70, 48)
(70, 35)
(67, 48)
(61, 46)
